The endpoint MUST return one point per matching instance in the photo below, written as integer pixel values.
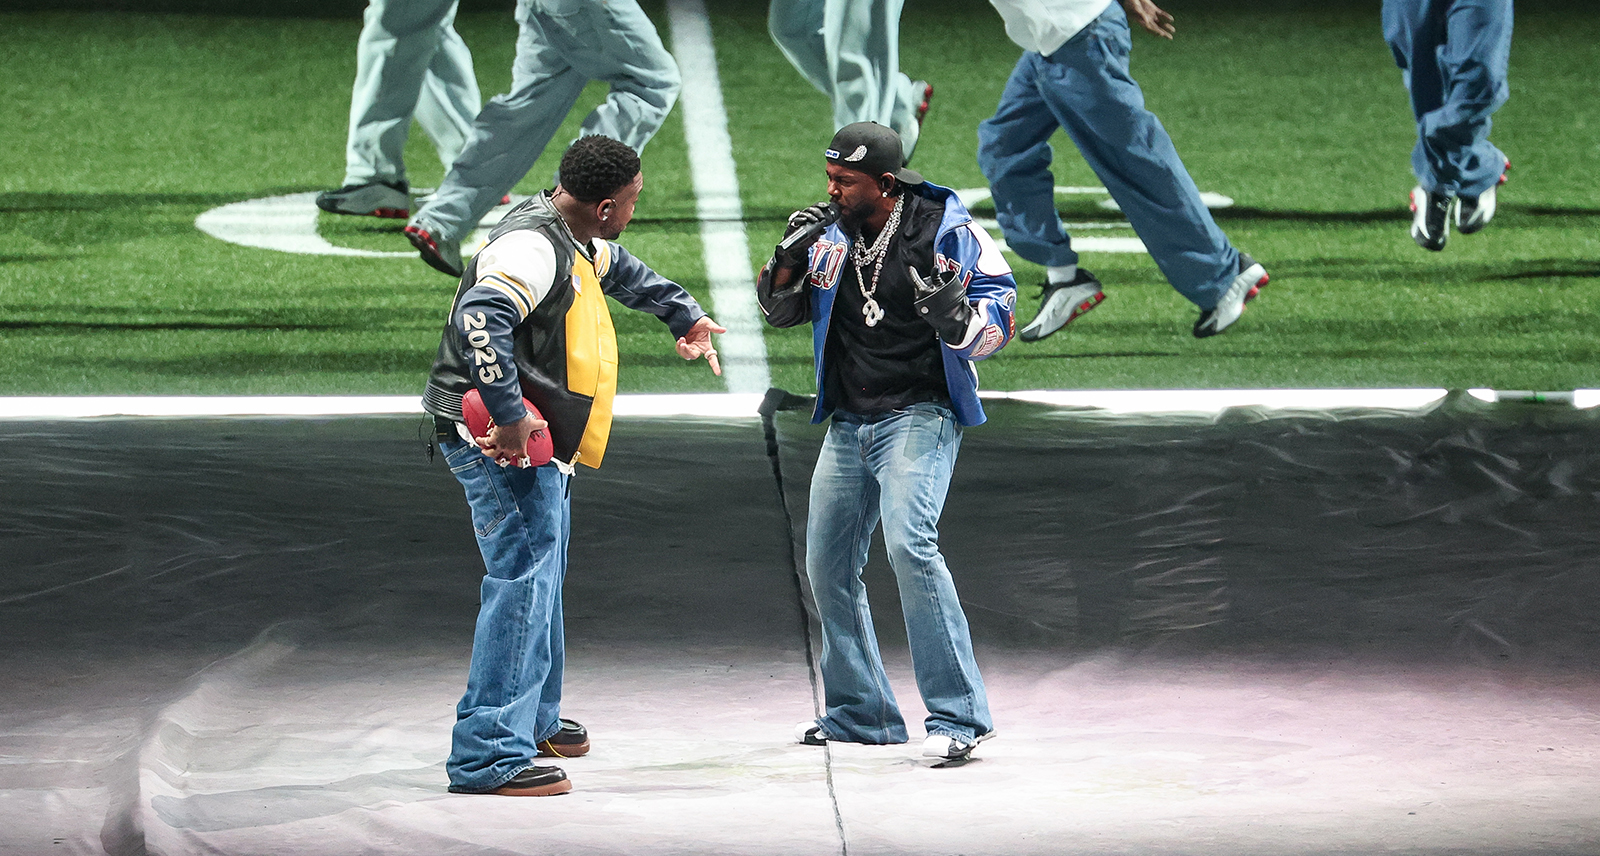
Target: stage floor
(1302, 636)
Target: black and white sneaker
(376, 199)
(1430, 218)
(1244, 288)
(809, 733)
(1063, 302)
(948, 748)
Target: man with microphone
(904, 293)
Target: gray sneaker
(1063, 302)
(367, 200)
(441, 254)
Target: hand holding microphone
(805, 227)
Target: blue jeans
(522, 518)
(1453, 56)
(561, 46)
(1084, 88)
(897, 468)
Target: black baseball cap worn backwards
(873, 149)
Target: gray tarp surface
(1327, 633)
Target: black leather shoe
(536, 782)
(570, 742)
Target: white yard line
(716, 190)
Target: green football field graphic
(131, 127)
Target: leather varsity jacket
(551, 342)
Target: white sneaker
(1244, 288)
(809, 733)
(1062, 302)
(1473, 213)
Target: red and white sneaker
(1063, 303)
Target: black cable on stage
(776, 400)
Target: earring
(886, 194)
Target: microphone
(811, 232)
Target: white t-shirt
(1045, 25)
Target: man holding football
(530, 333)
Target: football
(479, 422)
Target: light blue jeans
(561, 46)
(896, 468)
(409, 62)
(1085, 89)
(850, 50)
(1453, 56)
(522, 518)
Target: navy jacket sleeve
(484, 318)
(636, 286)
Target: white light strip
(715, 405)
(1526, 396)
(743, 349)
(1218, 400)
(744, 405)
(89, 407)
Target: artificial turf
(131, 124)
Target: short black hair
(595, 167)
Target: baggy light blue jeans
(409, 62)
(897, 469)
(1453, 56)
(561, 46)
(1085, 89)
(850, 50)
(522, 518)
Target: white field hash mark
(716, 190)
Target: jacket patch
(989, 341)
(827, 260)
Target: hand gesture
(697, 343)
(1150, 16)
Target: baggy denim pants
(1085, 89)
(561, 46)
(409, 62)
(1453, 56)
(896, 469)
(850, 50)
(522, 518)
